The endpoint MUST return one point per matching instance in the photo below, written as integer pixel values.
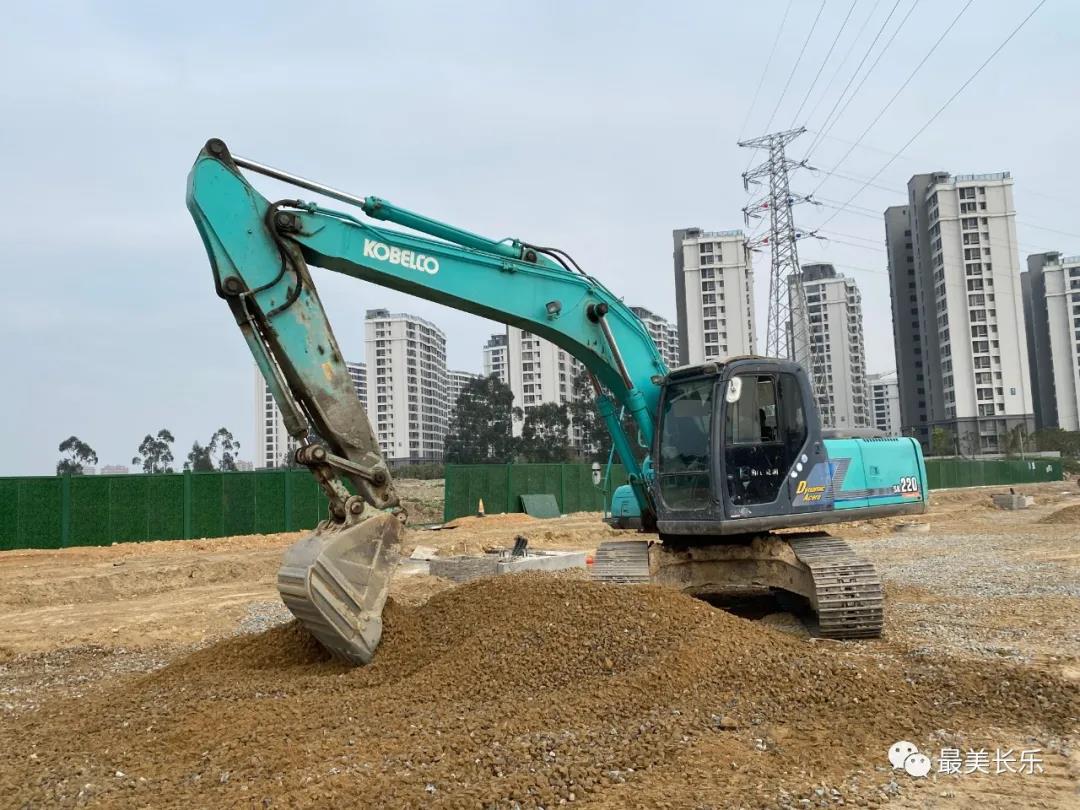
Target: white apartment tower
(273, 445)
(714, 294)
(539, 372)
(407, 385)
(884, 392)
(834, 311)
(664, 333)
(495, 357)
(457, 380)
(958, 290)
(1051, 290)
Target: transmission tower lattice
(787, 332)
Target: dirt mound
(529, 689)
(1070, 514)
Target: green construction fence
(94, 510)
(502, 485)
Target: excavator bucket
(336, 581)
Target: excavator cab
(734, 441)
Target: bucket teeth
(336, 581)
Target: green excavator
(736, 452)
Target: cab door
(767, 442)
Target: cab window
(684, 471)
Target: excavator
(731, 466)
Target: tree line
(481, 430)
(155, 454)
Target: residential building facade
(834, 313)
(664, 333)
(714, 294)
(273, 444)
(1051, 291)
(539, 372)
(407, 385)
(884, 393)
(496, 360)
(358, 374)
(905, 292)
(457, 380)
(968, 310)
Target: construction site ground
(169, 674)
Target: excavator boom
(336, 581)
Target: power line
(1044, 228)
(768, 63)
(791, 75)
(862, 81)
(840, 67)
(824, 61)
(899, 90)
(858, 67)
(942, 108)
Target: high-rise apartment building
(457, 380)
(495, 357)
(968, 310)
(358, 375)
(884, 393)
(1051, 290)
(834, 312)
(407, 385)
(272, 442)
(664, 333)
(714, 294)
(273, 445)
(539, 372)
(905, 287)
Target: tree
(594, 434)
(482, 427)
(1066, 442)
(155, 453)
(198, 459)
(545, 433)
(217, 454)
(1016, 441)
(941, 442)
(78, 454)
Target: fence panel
(165, 507)
(238, 503)
(41, 500)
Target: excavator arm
(260, 251)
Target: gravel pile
(1068, 515)
(262, 616)
(518, 691)
(969, 565)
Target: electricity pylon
(787, 326)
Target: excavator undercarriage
(840, 588)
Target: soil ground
(167, 674)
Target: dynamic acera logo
(405, 258)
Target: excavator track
(843, 589)
(625, 562)
(848, 596)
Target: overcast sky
(596, 127)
